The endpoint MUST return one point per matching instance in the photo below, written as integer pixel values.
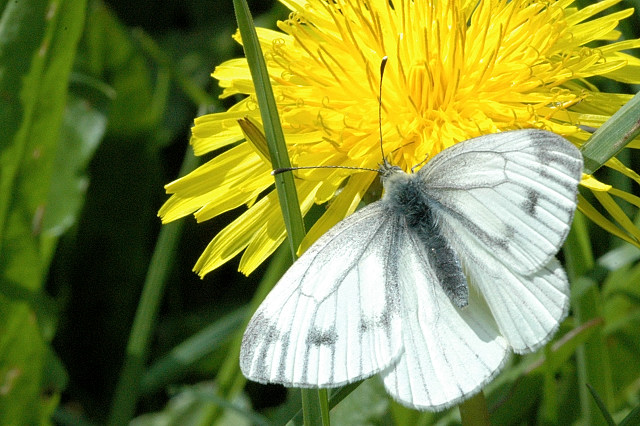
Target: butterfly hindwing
(334, 317)
(527, 308)
(514, 193)
(449, 353)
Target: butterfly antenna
(290, 169)
(383, 64)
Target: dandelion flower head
(457, 69)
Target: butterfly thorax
(406, 197)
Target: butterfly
(435, 284)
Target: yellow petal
(343, 205)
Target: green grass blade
(601, 405)
(285, 186)
(230, 380)
(633, 418)
(159, 56)
(612, 136)
(126, 393)
(212, 397)
(171, 368)
(312, 408)
(336, 397)
(593, 358)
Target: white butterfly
(384, 290)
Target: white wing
(527, 308)
(513, 192)
(334, 317)
(449, 353)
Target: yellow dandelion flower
(457, 69)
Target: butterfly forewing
(334, 317)
(513, 192)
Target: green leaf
(82, 130)
(364, 403)
(109, 52)
(22, 359)
(633, 418)
(592, 358)
(514, 403)
(37, 49)
(566, 347)
(517, 391)
(191, 404)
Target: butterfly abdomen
(419, 211)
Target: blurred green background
(97, 99)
